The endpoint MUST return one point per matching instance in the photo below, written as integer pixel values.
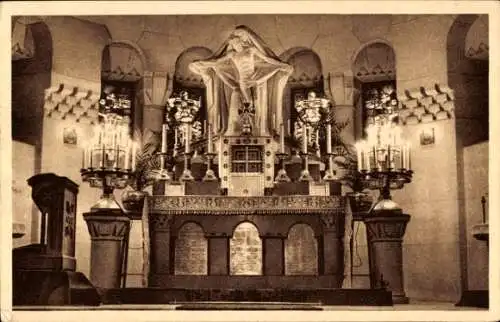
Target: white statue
(244, 73)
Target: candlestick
(282, 138)
(329, 138)
(210, 144)
(164, 135)
(389, 156)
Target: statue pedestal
(108, 231)
(386, 229)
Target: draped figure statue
(244, 77)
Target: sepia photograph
(286, 160)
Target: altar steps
(352, 297)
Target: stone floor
(414, 306)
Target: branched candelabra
(384, 159)
(109, 159)
(310, 112)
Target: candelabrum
(310, 113)
(109, 159)
(384, 160)
(184, 112)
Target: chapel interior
(338, 159)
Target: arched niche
(468, 72)
(373, 68)
(307, 76)
(375, 62)
(184, 76)
(191, 255)
(301, 251)
(23, 44)
(245, 250)
(30, 78)
(122, 61)
(185, 80)
(122, 69)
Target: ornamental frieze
(246, 205)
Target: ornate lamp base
(330, 176)
(305, 176)
(186, 175)
(282, 176)
(209, 175)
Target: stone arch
(373, 65)
(27, 107)
(468, 78)
(307, 76)
(191, 250)
(301, 251)
(245, 250)
(123, 60)
(183, 74)
(374, 61)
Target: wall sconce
(427, 136)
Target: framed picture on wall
(427, 137)
(70, 136)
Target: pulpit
(45, 273)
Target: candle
(329, 138)
(84, 157)
(282, 138)
(89, 155)
(304, 138)
(134, 149)
(374, 159)
(127, 155)
(175, 137)
(289, 127)
(366, 164)
(360, 157)
(409, 157)
(210, 144)
(188, 138)
(164, 138)
(204, 126)
(389, 163)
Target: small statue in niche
(247, 115)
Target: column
(385, 229)
(218, 255)
(160, 247)
(274, 255)
(333, 247)
(108, 230)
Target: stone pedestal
(385, 229)
(108, 231)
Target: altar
(271, 217)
